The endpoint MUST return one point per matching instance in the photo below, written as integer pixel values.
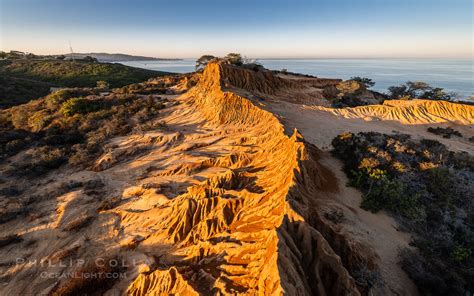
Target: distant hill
(22, 80)
(116, 57)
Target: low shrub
(38, 161)
(80, 106)
(429, 190)
(76, 126)
(445, 132)
(58, 97)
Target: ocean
(454, 75)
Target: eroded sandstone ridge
(247, 229)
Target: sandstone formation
(249, 228)
(411, 112)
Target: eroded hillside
(220, 200)
(214, 196)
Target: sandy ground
(320, 127)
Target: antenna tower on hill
(72, 52)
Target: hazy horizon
(254, 57)
(267, 29)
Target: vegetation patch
(76, 73)
(419, 90)
(80, 106)
(430, 191)
(22, 80)
(444, 132)
(62, 128)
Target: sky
(254, 28)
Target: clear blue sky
(255, 28)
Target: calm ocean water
(454, 75)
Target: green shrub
(57, 98)
(81, 156)
(79, 106)
(393, 195)
(54, 100)
(460, 253)
(234, 59)
(367, 82)
(439, 182)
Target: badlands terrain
(228, 186)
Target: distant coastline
(454, 75)
(118, 57)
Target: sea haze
(454, 75)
